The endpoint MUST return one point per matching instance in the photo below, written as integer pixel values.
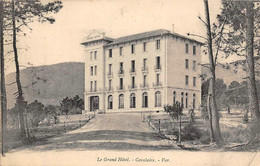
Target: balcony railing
(93, 90)
(132, 71)
(121, 73)
(109, 89)
(157, 84)
(120, 88)
(132, 86)
(157, 68)
(144, 86)
(144, 70)
(109, 74)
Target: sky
(60, 42)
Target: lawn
(65, 123)
(234, 130)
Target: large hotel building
(141, 72)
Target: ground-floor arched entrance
(93, 103)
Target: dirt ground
(114, 136)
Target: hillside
(48, 84)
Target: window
(132, 48)
(194, 50)
(133, 66)
(145, 100)
(95, 86)
(132, 100)
(186, 80)
(120, 51)
(194, 81)
(187, 48)
(121, 68)
(110, 85)
(110, 53)
(91, 86)
(110, 69)
(158, 62)
(144, 81)
(186, 63)
(174, 97)
(91, 70)
(133, 82)
(95, 70)
(110, 102)
(91, 55)
(121, 83)
(182, 99)
(186, 101)
(158, 44)
(121, 101)
(144, 63)
(194, 101)
(158, 99)
(95, 55)
(144, 46)
(157, 79)
(194, 65)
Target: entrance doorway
(110, 102)
(94, 103)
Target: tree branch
(10, 83)
(190, 34)
(219, 40)
(202, 21)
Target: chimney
(103, 34)
(172, 28)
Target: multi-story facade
(141, 72)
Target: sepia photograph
(130, 82)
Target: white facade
(171, 72)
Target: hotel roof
(143, 35)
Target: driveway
(107, 132)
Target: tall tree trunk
(213, 105)
(210, 117)
(252, 91)
(3, 90)
(20, 99)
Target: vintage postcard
(132, 82)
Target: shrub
(35, 113)
(237, 134)
(174, 111)
(205, 138)
(72, 105)
(190, 132)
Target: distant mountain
(48, 84)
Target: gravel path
(107, 132)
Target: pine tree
(212, 106)
(22, 13)
(3, 90)
(243, 22)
